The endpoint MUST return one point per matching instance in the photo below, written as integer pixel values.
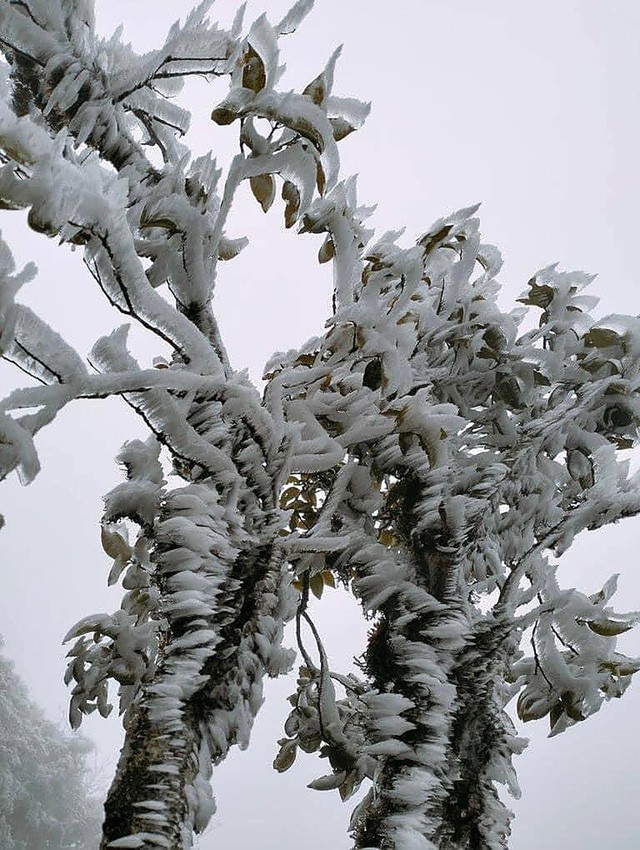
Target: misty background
(531, 109)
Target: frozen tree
(431, 451)
(44, 801)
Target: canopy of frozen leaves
(44, 796)
(446, 459)
(90, 139)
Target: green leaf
(116, 570)
(114, 544)
(622, 442)
(224, 115)
(539, 295)
(373, 374)
(309, 743)
(328, 578)
(316, 585)
(329, 782)
(555, 714)
(387, 538)
(350, 785)
(507, 389)
(495, 337)
(601, 338)
(609, 628)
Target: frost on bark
(429, 451)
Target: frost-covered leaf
(114, 544)
(294, 17)
(329, 782)
(599, 337)
(253, 71)
(609, 628)
(230, 248)
(316, 90)
(316, 585)
(327, 251)
(341, 128)
(291, 196)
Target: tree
(43, 777)
(425, 451)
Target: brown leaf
(609, 628)
(288, 496)
(263, 187)
(601, 338)
(114, 544)
(286, 756)
(317, 90)
(291, 196)
(223, 115)
(254, 76)
(230, 248)
(316, 585)
(341, 128)
(327, 251)
(321, 180)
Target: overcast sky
(531, 108)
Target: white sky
(531, 108)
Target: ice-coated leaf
(91, 623)
(539, 295)
(114, 544)
(253, 71)
(294, 17)
(341, 128)
(291, 196)
(261, 62)
(17, 450)
(316, 90)
(128, 842)
(327, 251)
(316, 585)
(116, 571)
(348, 109)
(328, 578)
(233, 106)
(230, 248)
(608, 589)
(328, 782)
(286, 755)
(609, 628)
(42, 351)
(599, 337)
